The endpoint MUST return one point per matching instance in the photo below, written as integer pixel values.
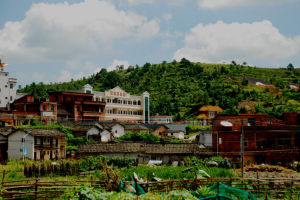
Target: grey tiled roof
(176, 127)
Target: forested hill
(181, 88)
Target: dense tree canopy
(181, 88)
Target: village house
(28, 108)
(177, 130)
(158, 129)
(37, 144)
(144, 152)
(207, 114)
(4, 132)
(266, 140)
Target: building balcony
(47, 114)
(45, 146)
(135, 117)
(92, 114)
(90, 103)
(123, 106)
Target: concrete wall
(206, 138)
(7, 94)
(15, 144)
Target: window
(44, 107)
(11, 86)
(52, 107)
(11, 98)
(284, 140)
(251, 121)
(245, 142)
(44, 122)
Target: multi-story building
(27, 108)
(266, 140)
(77, 106)
(8, 88)
(122, 106)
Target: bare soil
(268, 171)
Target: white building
(8, 88)
(122, 106)
(164, 119)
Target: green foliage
(203, 192)
(139, 137)
(145, 137)
(196, 128)
(183, 87)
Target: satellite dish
(226, 123)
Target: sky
(54, 41)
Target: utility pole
(242, 148)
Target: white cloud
(167, 17)
(64, 76)
(251, 42)
(215, 4)
(141, 1)
(118, 62)
(65, 31)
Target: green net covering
(226, 192)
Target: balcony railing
(92, 113)
(45, 146)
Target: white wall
(105, 136)
(118, 130)
(179, 135)
(5, 91)
(15, 144)
(93, 131)
(206, 138)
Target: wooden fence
(37, 189)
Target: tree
(233, 62)
(290, 66)
(244, 63)
(244, 82)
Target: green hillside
(181, 88)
